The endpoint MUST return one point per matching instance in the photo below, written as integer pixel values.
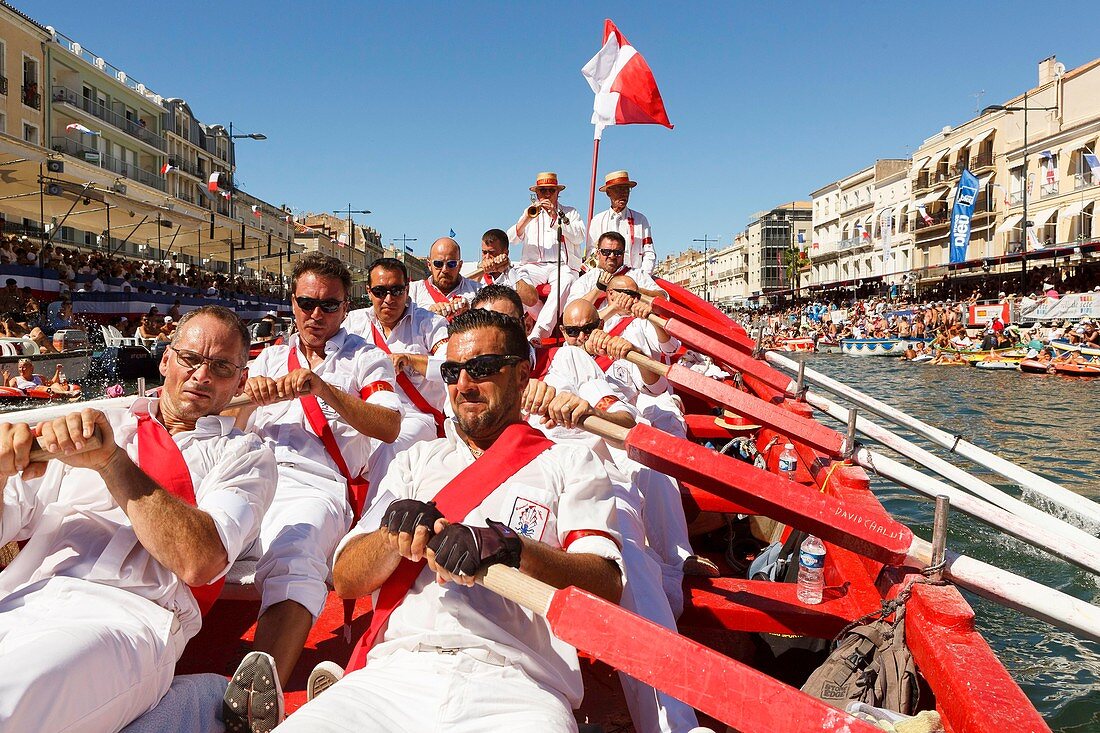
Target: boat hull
(74, 363)
(872, 347)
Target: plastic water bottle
(788, 462)
(811, 570)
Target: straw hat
(617, 178)
(730, 420)
(547, 179)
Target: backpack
(779, 561)
(870, 664)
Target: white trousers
(539, 274)
(308, 517)
(79, 656)
(645, 593)
(426, 691)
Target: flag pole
(592, 192)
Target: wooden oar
(1079, 506)
(696, 338)
(879, 538)
(732, 692)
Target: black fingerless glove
(464, 550)
(405, 515)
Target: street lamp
(706, 240)
(351, 225)
(233, 164)
(1027, 224)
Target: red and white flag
(626, 92)
(167, 168)
(256, 211)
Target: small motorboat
(996, 365)
(1076, 369)
(45, 393)
(1034, 366)
(922, 358)
(872, 347)
(795, 344)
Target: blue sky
(438, 116)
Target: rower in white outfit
(445, 291)
(415, 340)
(324, 398)
(96, 608)
(442, 652)
(543, 259)
(632, 225)
(610, 251)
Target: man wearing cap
(445, 291)
(610, 255)
(544, 262)
(631, 224)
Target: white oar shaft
(1078, 505)
(1015, 517)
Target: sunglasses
(191, 361)
(478, 368)
(326, 306)
(441, 264)
(612, 252)
(381, 291)
(632, 293)
(574, 331)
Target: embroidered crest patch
(528, 518)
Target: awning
(920, 163)
(901, 210)
(984, 181)
(976, 142)
(1081, 142)
(940, 156)
(958, 146)
(1073, 209)
(929, 197)
(1043, 217)
(1010, 223)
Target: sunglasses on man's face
(381, 291)
(612, 252)
(447, 264)
(310, 304)
(574, 331)
(478, 368)
(632, 293)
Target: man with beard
(126, 544)
(631, 225)
(610, 251)
(323, 397)
(445, 651)
(445, 291)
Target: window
(3, 122)
(30, 94)
(3, 68)
(30, 133)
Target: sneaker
(323, 676)
(253, 702)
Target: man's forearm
(364, 565)
(595, 574)
(179, 536)
(373, 421)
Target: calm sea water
(1049, 425)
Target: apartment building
(22, 75)
(768, 235)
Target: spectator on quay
(174, 311)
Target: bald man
(445, 292)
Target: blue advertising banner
(961, 212)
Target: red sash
(436, 293)
(409, 388)
(603, 362)
(357, 485)
(517, 446)
(160, 458)
(543, 358)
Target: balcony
(1015, 198)
(1083, 180)
(31, 97)
(1048, 189)
(188, 168)
(4, 85)
(938, 219)
(120, 167)
(95, 109)
(983, 160)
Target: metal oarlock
(939, 538)
(758, 350)
(141, 386)
(848, 449)
(800, 384)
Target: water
(1047, 424)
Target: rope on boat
(894, 606)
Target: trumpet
(533, 210)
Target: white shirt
(639, 239)
(588, 280)
(419, 331)
(509, 277)
(352, 365)
(540, 239)
(75, 528)
(564, 489)
(422, 296)
(643, 335)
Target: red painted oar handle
(875, 536)
(736, 694)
